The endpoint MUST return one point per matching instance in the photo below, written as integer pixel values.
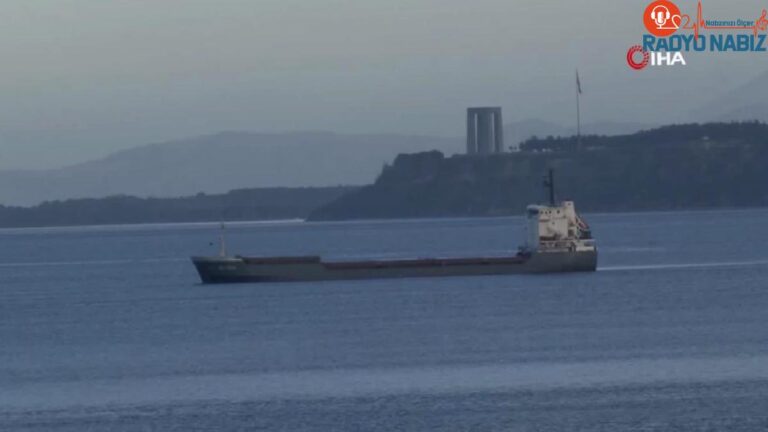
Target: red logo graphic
(662, 18)
(760, 25)
(632, 57)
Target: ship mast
(549, 183)
(222, 242)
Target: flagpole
(578, 111)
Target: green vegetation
(242, 204)
(674, 167)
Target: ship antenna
(222, 242)
(549, 183)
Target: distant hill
(673, 167)
(237, 205)
(746, 102)
(230, 160)
(221, 162)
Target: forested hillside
(674, 167)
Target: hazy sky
(82, 78)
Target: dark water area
(108, 328)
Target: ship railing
(564, 245)
(556, 244)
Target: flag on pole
(578, 82)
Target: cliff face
(676, 167)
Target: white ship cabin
(557, 229)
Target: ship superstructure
(557, 229)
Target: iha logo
(662, 18)
(637, 58)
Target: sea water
(108, 328)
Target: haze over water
(84, 79)
(108, 328)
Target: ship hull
(301, 269)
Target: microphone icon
(660, 15)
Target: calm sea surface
(108, 328)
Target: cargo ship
(558, 241)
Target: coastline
(302, 221)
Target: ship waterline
(312, 268)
